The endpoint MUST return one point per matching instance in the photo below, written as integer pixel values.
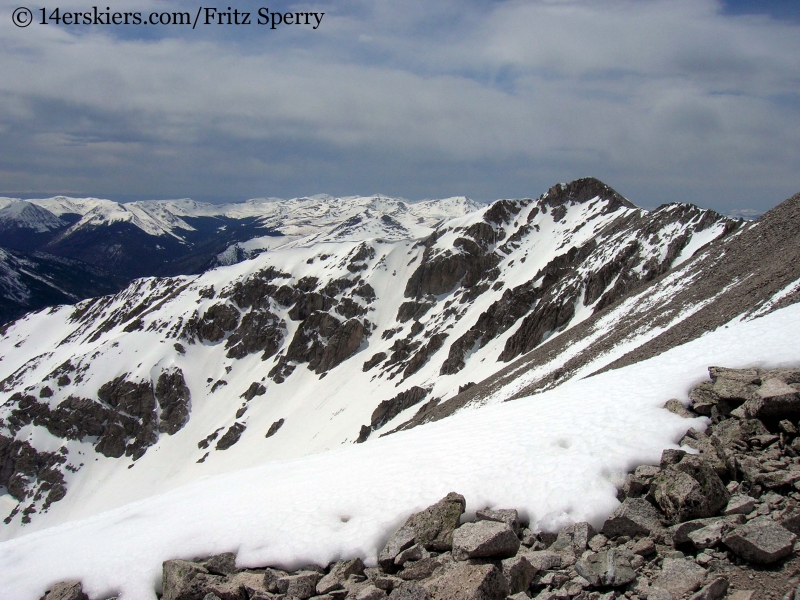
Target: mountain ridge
(199, 368)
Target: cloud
(664, 99)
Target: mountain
(179, 237)
(34, 280)
(306, 348)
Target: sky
(664, 100)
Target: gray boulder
(519, 572)
(774, 398)
(710, 535)
(401, 539)
(300, 585)
(465, 581)
(679, 533)
(689, 489)
(508, 516)
(715, 590)
(790, 519)
(739, 504)
(543, 560)
(680, 576)
(220, 564)
(484, 539)
(432, 527)
(635, 516)
(761, 541)
(66, 590)
(185, 580)
(338, 574)
(420, 569)
(409, 590)
(575, 537)
(415, 552)
(612, 567)
(370, 592)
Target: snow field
(557, 456)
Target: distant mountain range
(107, 244)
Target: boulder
(715, 590)
(790, 519)
(543, 560)
(415, 552)
(519, 572)
(612, 568)
(434, 526)
(679, 533)
(220, 564)
(774, 399)
(66, 590)
(689, 489)
(301, 585)
(338, 574)
(465, 581)
(575, 536)
(508, 516)
(409, 590)
(710, 535)
(635, 516)
(401, 539)
(675, 406)
(184, 580)
(370, 592)
(680, 576)
(420, 569)
(484, 539)
(742, 375)
(761, 541)
(739, 504)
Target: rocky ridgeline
(721, 522)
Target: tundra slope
(173, 379)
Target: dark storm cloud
(663, 99)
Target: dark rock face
(273, 429)
(218, 320)
(231, 436)
(255, 389)
(413, 310)
(259, 331)
(389, 409)
(174, 399)
(376, 358)
(470, 262)
(435, 342)
(135, 399)
(324, 342)
(25, 472)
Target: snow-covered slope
(558, 456)
(306, 348)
